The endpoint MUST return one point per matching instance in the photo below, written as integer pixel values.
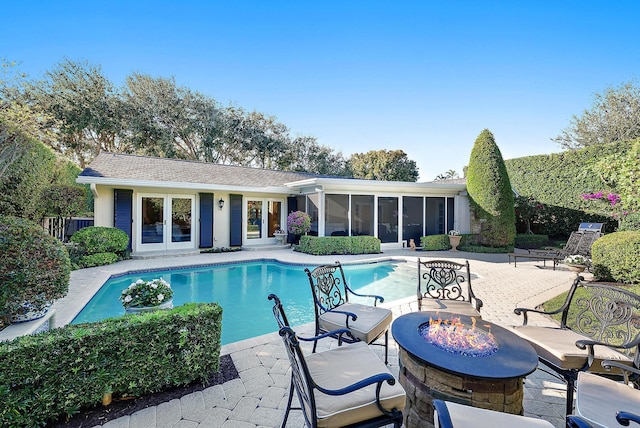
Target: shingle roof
(130, 167)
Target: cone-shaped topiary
(34, 267)
(490, 193)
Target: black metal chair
(343, 386)
(333, 310)
(598, 323)
(452, 415)
(440, 288)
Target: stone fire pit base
(423, 383)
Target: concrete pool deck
(258, 397)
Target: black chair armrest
(624, 418)
(377, 378)
(375, 297)
(331, 334)
(577, 422)
(444, 418)
(525, 312)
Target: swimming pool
(241, 289)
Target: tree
(87, 107)
(389, 165)
(63, 201)
(528, 210)
(490, 193)
(450, 174)
(614, 116)
(304, 154)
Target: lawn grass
(557, 301)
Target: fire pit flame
(453, 336)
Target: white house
(166, 204)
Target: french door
(262, 218)
(166, 222)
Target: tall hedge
(557, 180)
(490, 193)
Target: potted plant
(143, 296)
(298, 223)
(454, 239)
(577, 263)
(280, 235)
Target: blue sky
(422, 76)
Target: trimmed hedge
(528, 240)
(557, 181)
(98, 239)
(616, 257)
(326, 245)
(490, 193)
(34, 267)
(47, 376)
(98, 259)
(436, 243)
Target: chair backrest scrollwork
(443, 279)
(329, 287)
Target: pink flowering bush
(298, 223)
(612, 202)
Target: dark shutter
(206, 220)
(122, 212)
(292, 205)
(235, 229)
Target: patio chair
(440, 288)
(598, 323)
(453, 415)
(347, 385)
(333, 310)
(579, 242)
(603, 402)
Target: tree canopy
(86, 114)
(614, 116)
(391, 165)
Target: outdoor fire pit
(460, 359)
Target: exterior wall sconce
(221, 203)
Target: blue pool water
(241, 289)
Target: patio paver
(258, 398)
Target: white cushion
(343, 366)
(371, 323)
(598, 399)
(467, 417)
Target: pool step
(266, 247)
(162, 254)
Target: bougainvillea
(298, 223)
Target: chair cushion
(467, 416)
(345, 365)
(598, 399)
(371, 323)
(450, 306)
(558, 347)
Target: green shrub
(98, 259)
(326, 245)
(616, 257)
(528, 240)
(630, 222)
(435, 243)
(34, 267)
(57, 373)
(98, 239)
(490, 193)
